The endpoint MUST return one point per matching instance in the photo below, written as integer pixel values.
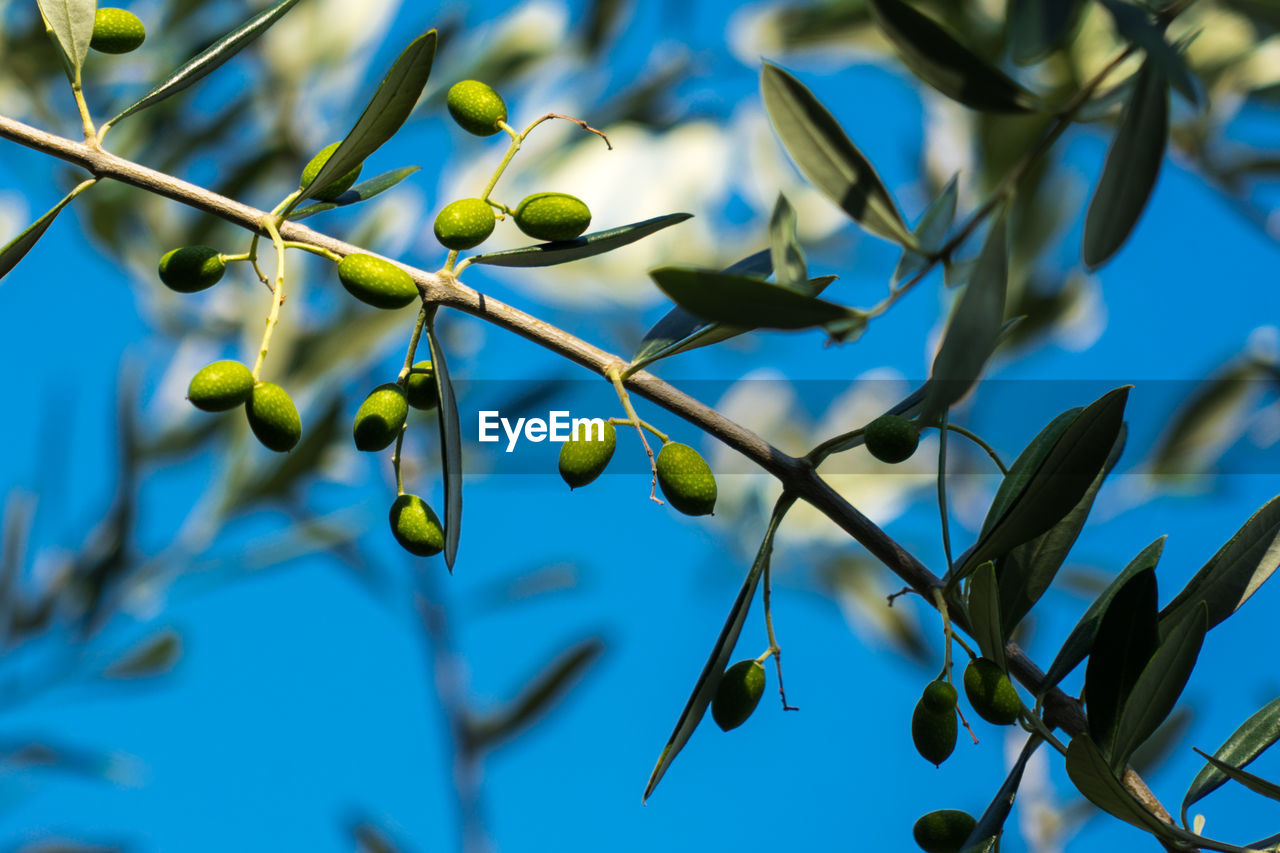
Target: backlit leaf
(1246, 743)
(563, 251)
(72, 24)
(741, 301)
(362, 191)
(450, 446)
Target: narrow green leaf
(72, 24)
(1137, 26)
(789, 266)
(1159, 686)
(549, 254)
(1233, 574)
(450, 446)
(1126, 639)
(944, 63)
(154, 656)
(387, 111)
(1039, 27)
(1026, 466)
(930, 231)
(973, 329)
(991, 824)
(362, 191)
(1092, 777)
(1246, 743)
(1251, 781)
(740, 301)
(1081, 638)
(984, 613)
(16, 249)
(827, 157)
(209, 59)
(709, 680)
(1208, 422)
(1132, 165)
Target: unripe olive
(220, 386)
(552, 216)
(465, 223)
(943, 831)
(933, 732)
(990, 692)
(420, 388)
(476, 107)
(380, 283)
(891, 438)
(939, 696)
(273, 417)
(585, 455)
(380, 417)
(416, 526)
(191, 268)
(116, 31)
(738, 694)
(686, 479)
(339, 185)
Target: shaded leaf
(1092, 777)
(209, 59)
(1161, 745)
(1207, 422)
(984, 613)
(789, 266)
(72, 24)
(1135, 25)
(154, 656)
(1132, 165)
(709, 679)
(563, 251)
(930, 231)
(450, 446)
(362, 191)
(1039, 27)
(16, 249)
(1126, 638)
(387, 111)
(826, 156)
(742, 301)
(1081, 638)
(1026, 466)
(991, 824)
(944, 63)
(1246, 743)
(1251, 781)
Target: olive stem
(315, 250)
(942, 492)
(277, 295)
(774, 648)
(395, 460)
(614, 376)
(413, 347)
(661, 436)
(449, 261)
(976, 439)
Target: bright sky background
(304, 701)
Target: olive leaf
(1039, 27)
(72, 24)
(154, 656)
(1136, 25)
(586, 246)
(1208, 422)
(991, 824)
(984, 613)
(1126, 638)
(705, 688)
(1246, 743)
(1089, 772)
(387, 111)
(362, 191)
(1251, 781)
(741, 301)
(209, 59)
(450, 445)
(16, 249)
(789, 265)
(826, 156)
(930, 232)
(1130, 171)
(940, 60)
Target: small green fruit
(686, 479)
(990, 692)
(939, 696)
(943, 831)
(891, 438)
(476, 107)
(738, 694)
(116, 31)
(933, 732)
(381, 417)
(337, 187)
(273, 417)
(380, 283)
(420, 388)
(192, 268)
(465, 223)
(584, 456)
(552, 216)
(416, 526)
(220, 386)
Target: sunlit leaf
(930, 231)
(741, 301)
(450, 446)
(72, 24)
(586, 246)
(16, 249)
(1251, 781)
(789, 266)
(362, 191)
(1126, 639)
(1246, 743)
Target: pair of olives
(989, 691)
(224, 385)
(685, 477)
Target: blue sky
(302, 700)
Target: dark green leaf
(561, 252)
(362, 191)
(450, 446)
(709, 680)
(1246, 743)
(387, 111)
(72, 24)
(930, 231)
(973, 329)
(789, 266)
(1039, 27)
(944, 63)
(826, 156)
(1159, 686)
(1233, 574)
(1093, 778)
(991, 824)
(16, 249)
(1126, 639)
(1251, 781)
(1129, 174)
(1207, 423)
(1081, 639)
(740, 301)
(984, 613)
(154, 656)
(209, 59)
(1136, 26)
(1026, 466)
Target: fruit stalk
(614, 376)
(277, 294)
